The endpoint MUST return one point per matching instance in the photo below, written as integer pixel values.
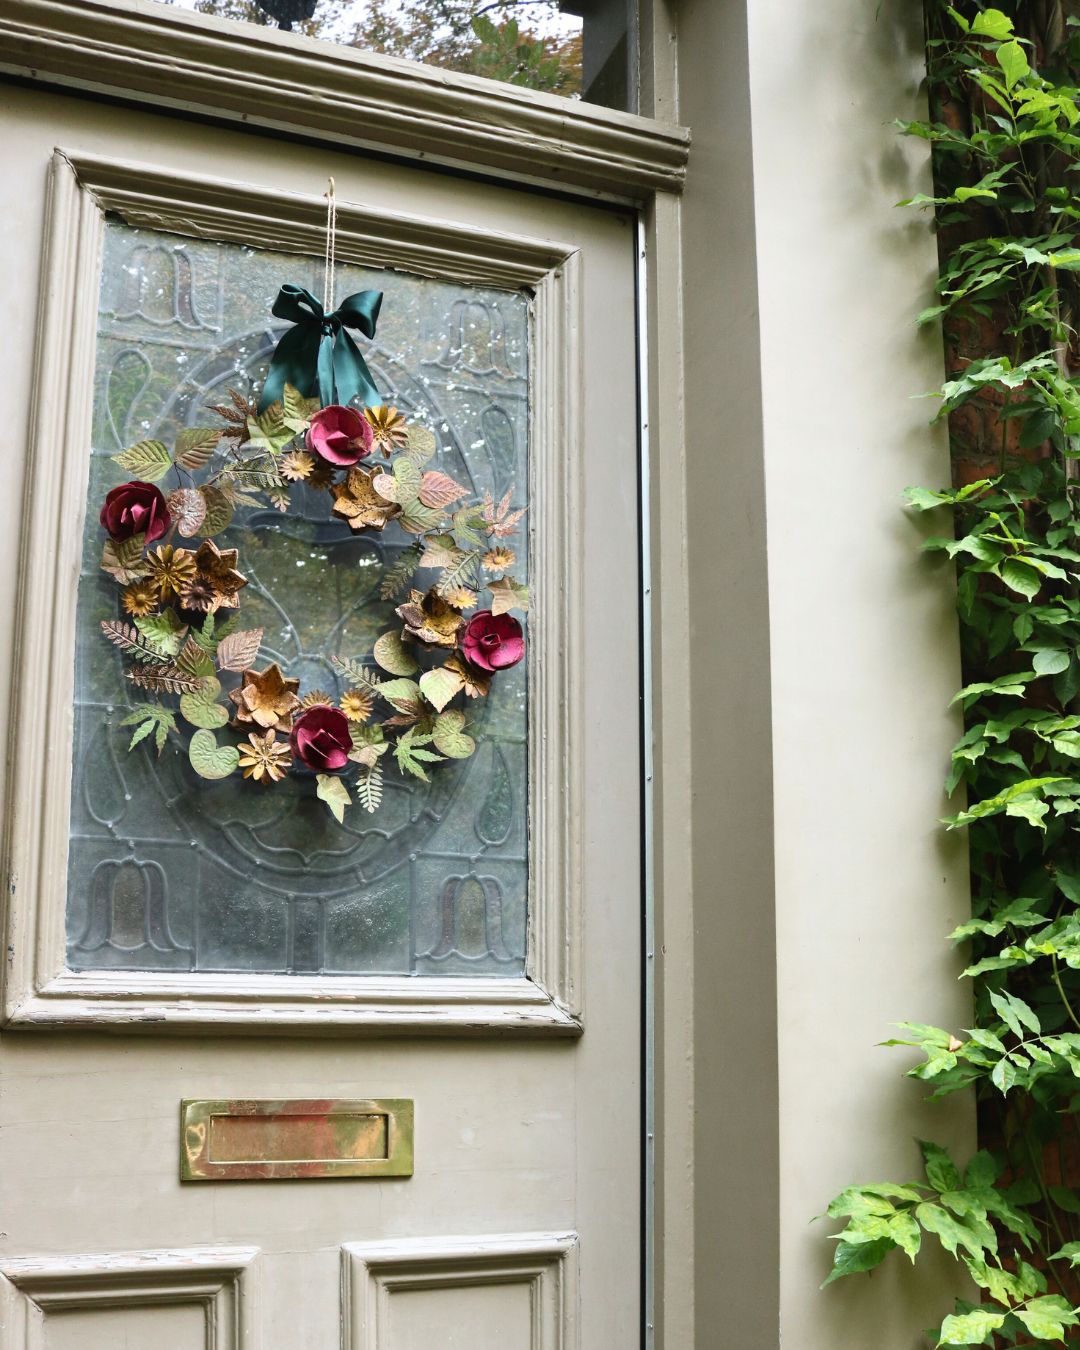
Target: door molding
(39, 990)
(374, 1274)
(339, 94)
(219, 1279)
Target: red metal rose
(320, 738)
(135, 508)
(340, 435)
(492, 641)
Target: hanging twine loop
(331, 247)
(317, 355)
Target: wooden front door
(468, 955)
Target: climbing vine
(1005, 138)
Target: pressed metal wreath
(182, 637)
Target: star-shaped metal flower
(389, 428)
(356, 501)
(265, 757)
(216, 582)
(429, 618)
(266, 698)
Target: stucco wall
(824, 655)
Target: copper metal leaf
(163, 679)
(219, 510)
(239, 650)
(439, 489)
(187, 506)
(195, 447)
(130, 640)
(194, 659)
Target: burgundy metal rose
(492, 641)
(320, 738)
(135, 508)
(340, 435)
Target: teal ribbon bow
(317, 355)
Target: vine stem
(1064, 996)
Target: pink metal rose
(320, 738)
(340, 435)
(492, 641)
(135, 508)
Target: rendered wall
(824, 654)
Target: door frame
(465, 124)
(39, 989)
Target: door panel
(525, 1187)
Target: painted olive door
(469, 954)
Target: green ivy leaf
(210, 760)
(449, 735)
(334, 793)
(201, 708)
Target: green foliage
(1006, 150)
(482, 37)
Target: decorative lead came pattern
(170, 872)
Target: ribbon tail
(324, 375)
(351, 374)
(293, 363)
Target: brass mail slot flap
(298, 1139)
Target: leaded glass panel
(171, 872)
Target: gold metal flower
(357, 705)
(266, 698)
(498, 559)
(429, 618)
(461, 597)
(199, 595)
(171, 570)
(356, 501)
(217, 570)
(389, 428)
(297, 465)
(265, 757)
(477, 682)
(316, 697)
(140, 598)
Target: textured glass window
(580, 48)
(168, 871)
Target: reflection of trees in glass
(524, 42)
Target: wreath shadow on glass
(319, 422)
